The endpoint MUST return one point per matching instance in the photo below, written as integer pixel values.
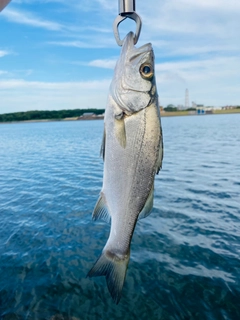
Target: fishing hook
(127, 10)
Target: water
(184, 257)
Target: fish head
(133, 87)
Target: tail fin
(114, 268)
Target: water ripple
(184, 257)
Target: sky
(60, 54)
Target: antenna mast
(186, 99)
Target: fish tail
(114, 269)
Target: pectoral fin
(120, 132)
(101, 211)
(148, 206)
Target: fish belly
(127, 184)
(129, 172)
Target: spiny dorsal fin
(148, 206)
(101, 211)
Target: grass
(227, 111)
(186, 113)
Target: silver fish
(132, 150)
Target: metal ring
(134, 16)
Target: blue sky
(60, 54)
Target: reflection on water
(184, 257)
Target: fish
(132, 150)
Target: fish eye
(146, 71)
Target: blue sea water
(185, 257)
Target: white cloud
(30, 19)
(108, 5)
(219, 5)
(58, 86)
(99, 63)
(102, 6)
(104, 63)
(196, 45)
(189, 20)
(4, 53)
(210, 81)
(20, 95)
(2, 72)
(199, 50)
(91, 42)
(76, 44)
(200, 70)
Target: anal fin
(148, 206)
(101, 211)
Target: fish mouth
(142, 50)
(146, 47)
(132, 51)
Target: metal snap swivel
(134, 16)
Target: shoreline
(192, 113)
(163, 114)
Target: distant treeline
(47, 115)
(174, 109)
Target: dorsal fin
(160, 155)
(102, 151)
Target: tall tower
(186, 99)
